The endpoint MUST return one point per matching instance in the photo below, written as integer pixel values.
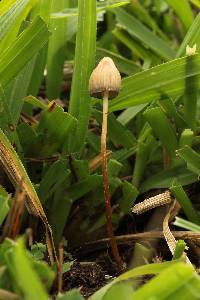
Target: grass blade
(182, 283)
(22, 50)
(11, 17)
(191, 157)
(17, 173)
(183, 11)
(185, 203)
(56, 51)
(143, 34)
(164, 131)
(192, 37)
(84, 56)
(161, 82)
(139, 271)
(124, 65)
(186, 225)
(30, 284)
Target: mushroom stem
(108, 209)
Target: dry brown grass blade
(95, 162)
(18, 175)
(6, 295)
(12, 224)
(169, 237)
(156, 201)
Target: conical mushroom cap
(105, 78)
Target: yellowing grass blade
(18, 175)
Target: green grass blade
(84, 62)
(138, 50)
(182, 283)
(186, 225)
(143, 34)
(165, 179)
(22, 50)
(11, 17)
(27, 278)
(191, 96)
(196, 3)
(179, 250)
(183, 10)
(56, 51)
(133, 273)
(130, 113)
(162, 129)
(125, 66)
(4, 204)
(42, 9)
(143, 14)
(161, 82)
(185, 203)
(192, 37)
(186, 138)
(191, 157)
(101, 7)
(17, 89)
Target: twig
(60, 264)
(132, 238)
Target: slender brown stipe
(105, 83)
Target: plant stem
(108, 210)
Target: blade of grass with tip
(18, 175)
(185, 203)
(165, 179)
(179, 250)
(191, 157)
(192, 37)
(186, 224)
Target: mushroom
(105, 82)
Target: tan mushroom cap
(105, 78)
